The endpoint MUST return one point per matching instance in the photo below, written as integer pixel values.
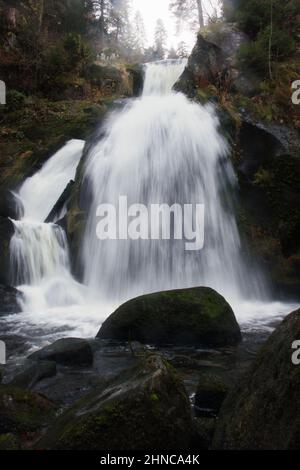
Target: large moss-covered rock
(146, 408)
(68, 351)
(197, 316)
(9, 300)
(205, 67)
(6, 232)
(263, 411)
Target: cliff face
(263, 130)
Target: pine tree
(139, 33)
(182, 50)
(172, 54)
(160, 39)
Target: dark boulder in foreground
(68, 352)
(9, 300)
(197, 316)
(263, 412)
(145, 408)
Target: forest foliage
(273, 27)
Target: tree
(182, 50)
(139, 33)
(160, 39)
(186, 11)
(272, 26)
(172, 54)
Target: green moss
(9, 442)
(154, 397)
(31, 134)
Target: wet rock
(56, 212)
(211, 393)
(22, 411)
(69, 351)
(110, 79)
(9, 300)
(10, 205)
(137, 74)
(262, 411)
(198, 316)
(127, 414)
(206, 428)
(69, 385)
(206, 65)
(34, 372)
(6, 232)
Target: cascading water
(163, 149)
(160, 149)
(40, 263)
(40, 192)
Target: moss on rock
(188, 316)
(262, 412)
(127, 414)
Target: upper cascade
(161, 76)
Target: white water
(40, 263)
(40, 192)
(163, 149)
(160, 149)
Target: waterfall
(160, 149)
(164, 149)
(39, 251)
(40, 263)
(40, 192)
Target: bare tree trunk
(200, 14)
(101, 23)
(41, 16)
(270, 43)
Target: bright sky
(153, 9)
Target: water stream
(160, 149)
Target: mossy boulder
(262, 412)
(197, 316)
(146, 408)
(9, 300)
(66, 351)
